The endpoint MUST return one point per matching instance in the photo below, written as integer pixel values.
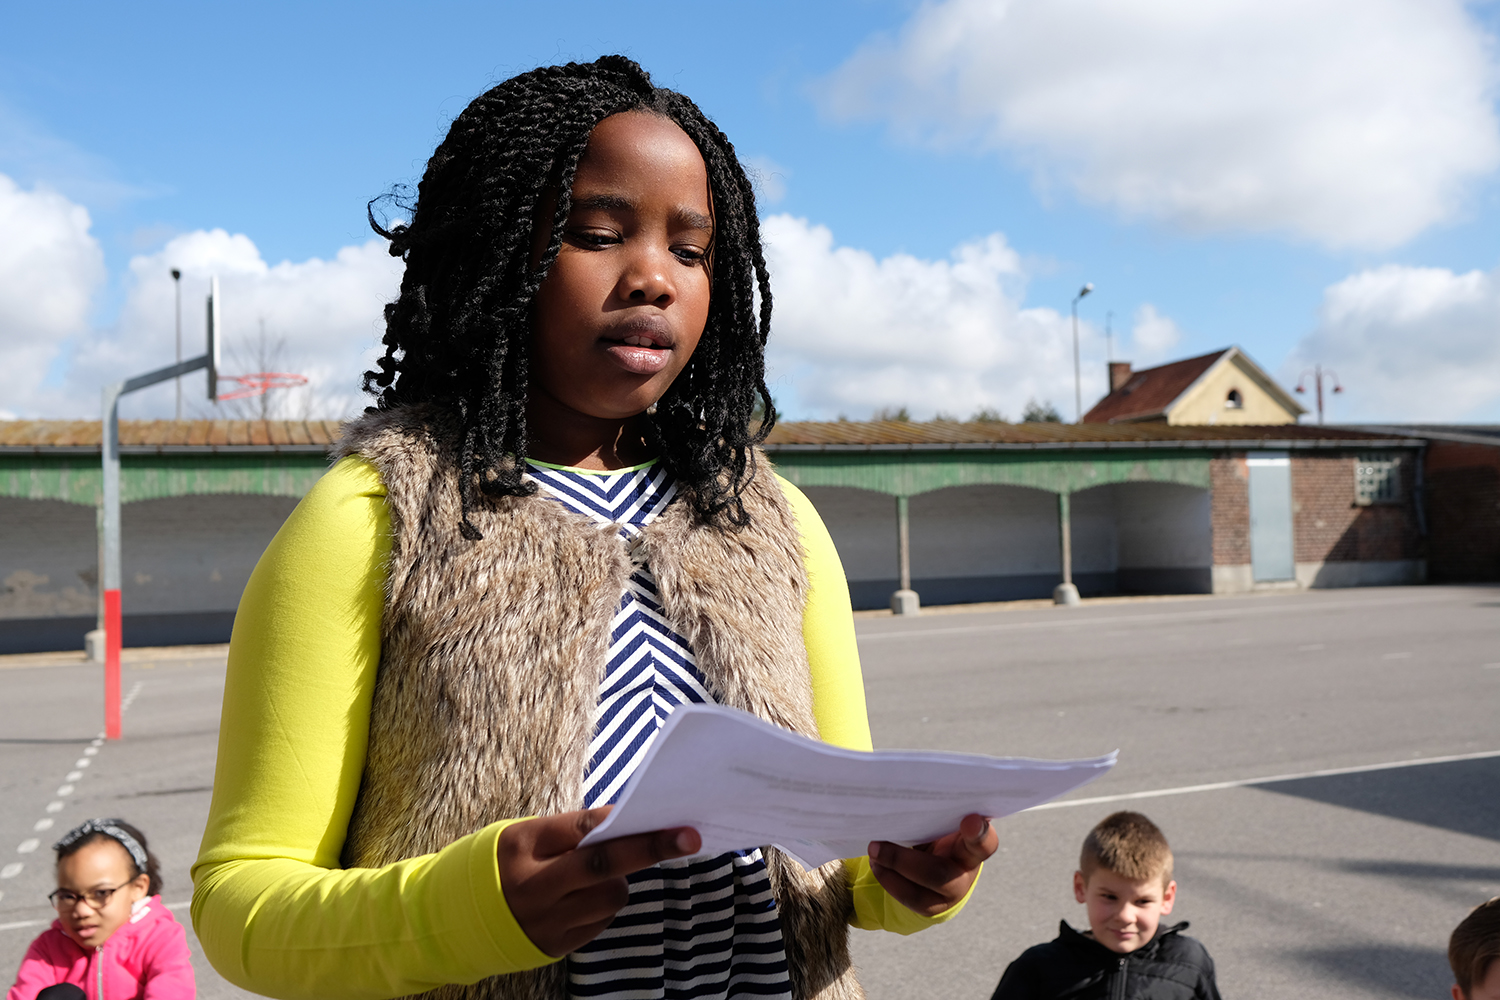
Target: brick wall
(1328, 526)
(1229, 481)
(1463, 511)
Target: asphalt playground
(1326, 765)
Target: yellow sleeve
(839, 701)
(273, 909)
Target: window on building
(1234, 401)
(1377, 479)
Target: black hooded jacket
(1171, 966)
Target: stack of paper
(744, 783)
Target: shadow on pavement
(1385, 970)
(1422, 870)
(1459, 796)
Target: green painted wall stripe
(913, 473)
(150, 477)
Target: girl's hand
(933, 877)
(564, 895)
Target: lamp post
(1318, 372)
(177, 283)
(1077, 373)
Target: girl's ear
(140, 887)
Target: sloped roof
(1151, 390)
(188, 436)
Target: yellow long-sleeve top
(274, 911)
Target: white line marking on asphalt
(1492, 666)
(54, 807)
(28, 845)
(43, 824)
(64, 791)
(1249, 782)
(1066, 619)
(11, 870)
(90, 750)
(135, 689)
(74, 776)
(82, 762)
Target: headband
(110, 828)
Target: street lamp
(1077, 374)
(1318, 373)
(177, 281)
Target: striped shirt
(692, 929)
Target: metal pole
(109, 572)
(177, 282)
(1077, 375)
(1318, 377)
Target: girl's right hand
(564, 895)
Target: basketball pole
(109, 577)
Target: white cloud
(50, 267)
(1408, 344)
(1153, 336)
(321, 318)
(852, 334)
(1349, 122)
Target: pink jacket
(146, 959)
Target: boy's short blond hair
(1475, 943)
(1130, 845)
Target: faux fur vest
(493, 651)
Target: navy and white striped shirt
(707, 928)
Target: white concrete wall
(984, 531)
(49, 552)
(185, 562)
(195, 553)
(1163, 525)
(863, 526)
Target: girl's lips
(636, 358)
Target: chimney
(1119, 374)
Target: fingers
(976, 841)
(563, 895)
(553, 835)
(932, 878)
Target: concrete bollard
(93, 645)
(1065, 593)
(906, 602)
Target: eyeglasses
(96, 898)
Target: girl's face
(98, 867)
(622, 309)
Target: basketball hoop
(256, 383)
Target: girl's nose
(647, 279)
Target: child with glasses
(112, 936)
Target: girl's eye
(593, 237)
(690, 254)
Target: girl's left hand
(931, 878)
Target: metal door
(1271, 516)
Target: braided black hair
(459, 334)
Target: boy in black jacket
(1125, 879)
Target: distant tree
(900, 414)
(1040, 413)
(944, 417)
(988, 415)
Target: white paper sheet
(744, 783)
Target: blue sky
(277, 122)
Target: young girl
(112, 936)
(552, 528)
